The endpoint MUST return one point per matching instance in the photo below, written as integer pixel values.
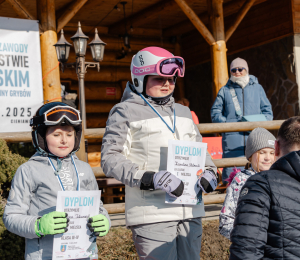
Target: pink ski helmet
(154, 61)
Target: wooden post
(51, 79)
(218, 49)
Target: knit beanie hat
(239, 63)
(258, 139)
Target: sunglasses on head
(235, 69)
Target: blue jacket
(252, 100)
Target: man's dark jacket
(267, 223)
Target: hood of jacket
(290, 164)
(130, 96)
(253, 80)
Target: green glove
(52, 223)
(99, 224)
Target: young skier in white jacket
(134, 151)
(30, 209)
(260, 151)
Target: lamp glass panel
(80, 46)
(97, 52)
(62, 52)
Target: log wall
(265, 22)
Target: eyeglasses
(235, 69)
(163, 80)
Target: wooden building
(208, 34)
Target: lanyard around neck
(57, 175)
(174, 121)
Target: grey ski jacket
(136, 141)
(33, 194)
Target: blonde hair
(249, 164)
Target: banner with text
(21, 87)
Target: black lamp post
(80, 44)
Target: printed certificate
(76, 242)
(186, 160)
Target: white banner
(21, 88)
(186, 160)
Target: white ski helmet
(154, 61)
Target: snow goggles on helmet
(56, 114)
(165, 67)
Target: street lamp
(97, 47)
(62, 48)
(80, 44)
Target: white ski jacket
(136, 141)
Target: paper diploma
(186, 160)
(76, 242)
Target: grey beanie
(258, 139)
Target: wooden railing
(211, 128)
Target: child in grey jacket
(30, 209)
(260, 151)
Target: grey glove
(162, 180)
(207, 181)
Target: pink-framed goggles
(164, 67)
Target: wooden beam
(245, 8)
(106, 74)
(218, 49)
(99, 91)
(136, 43)
(69, 13)
(196, 21)
(116, 208)
(216, 18)
(99, 107)
(151, 32)
(20, 9)
(186, 26)
(142, 17)
(50, 70)
(208, 128)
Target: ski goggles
(165, 67)
(235, 69)
(56, 114)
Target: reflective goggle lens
(169, 66)
(57, 113)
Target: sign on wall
(21, 88)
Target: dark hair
(289, 132)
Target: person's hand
(168, 182)
(99, 224)
(52, 223)
(207, 181)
